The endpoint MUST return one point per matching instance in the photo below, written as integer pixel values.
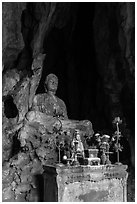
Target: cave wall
(114, 52)
(114, 30)
(12, 40)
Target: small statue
(77, 146)
(104, 148)
(103, 143)
(48, 103)
(80, 147)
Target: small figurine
(103, 144)
(77, 147)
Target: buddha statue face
(51, 83)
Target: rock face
(19, 178)
(12, 41)
(19, 168)
(113, 51)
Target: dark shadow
(46, 185)
(10, 108)
(50, 184)
(16, 146)
(40, 187)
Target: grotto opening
(90, 48)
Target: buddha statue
(48, 103)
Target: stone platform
(92, 183)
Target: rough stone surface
(19, 178)
(19, 168)
(12, 41)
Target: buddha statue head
(51, 83)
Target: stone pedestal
(92, 183)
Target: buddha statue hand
(55, 127)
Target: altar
(103, 183)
